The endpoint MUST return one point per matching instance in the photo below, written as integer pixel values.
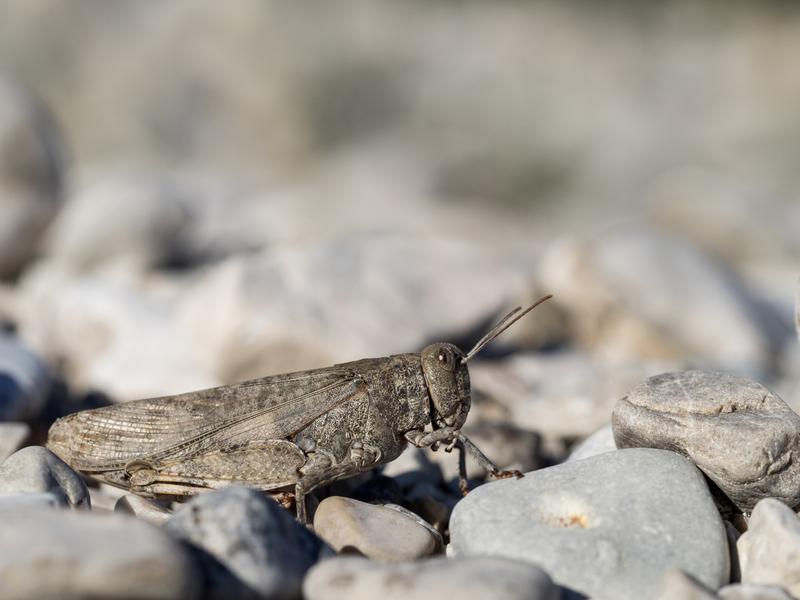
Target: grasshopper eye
(446, 358)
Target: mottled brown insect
(296, 431)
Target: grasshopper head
(448, 384)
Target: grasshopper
(295, 431)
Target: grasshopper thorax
(447, 378)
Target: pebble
(77, 555)
(748, 591)
(677, 585)
(739, 433)
(599, 442)
(36, 469)
(768, 550)
(355, 578)
(606, 541)
(247, 543)
(413, 466)
(25, 381)
(377, 532)
(12, 437)
(144, 508)
(31, 175)
(634, 292)
(19, 500)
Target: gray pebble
(748, 591)
(606, 526)
(600, 441)
(25, 500)
(249, 545)
(739, 433)
(144, 508)
(677, 585)
(377, 532)
(352, 578)
(78, 555)
(36, 469)
(12, 437)
(768, 550)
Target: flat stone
(768, 550)
(354, 578)
(677, 585)
(749, 591)
(603, 540)
(144, 508)
(36, 469)
(24, 381)
(76, 555)
(739, 433)
(12, 437)
(599, 442)
(248, 544)
(377, 532)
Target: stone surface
(634, 292)
(677, 585)
(91, 556)
(248, 544)
(144, 508)
(351, 578)
(30, 175)
(414, 466)
(568, 393)
(24, 381)
(12, 437)
(29, 500)
(599, 442)
(769, 548)
(607, 541)
(739, 433)
(749, 591)
(377, 532)
(36, 469)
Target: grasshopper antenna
(506, 322)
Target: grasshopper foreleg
(492, 469)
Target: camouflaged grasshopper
(296, 431)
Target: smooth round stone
(377, 532)
(739, 433)
(599, 442)
(768, 550)
(606, 526)
(247, 543)
(26, 500)
(144, 508)
(24, 381)
(12, 437)
(36, 469)
(355, 578)
(677, 585)
(77, 555)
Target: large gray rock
(354, 578)
(30, 176)
(739, 433)
(57, 554)
(249, 545)
(35, 469)
(677, 585)
(607, 526)
(635, 292)
(24, 381)
(768, 550)
(749, 591)
(377, 532)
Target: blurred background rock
(191, 195)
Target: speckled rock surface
(739, 433)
